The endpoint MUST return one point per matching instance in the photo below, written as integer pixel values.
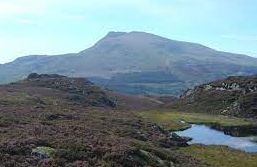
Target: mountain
(137, 63)
(236, 96)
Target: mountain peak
(115, 34)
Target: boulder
(43, 152)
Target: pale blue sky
(63, 26)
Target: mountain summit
(137, 62)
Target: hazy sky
(62, 26)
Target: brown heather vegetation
(82, 125)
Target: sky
(49, 27)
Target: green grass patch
(174, 120)
(220, 156)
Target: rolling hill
(137, 63)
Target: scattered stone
(43, 152)
(150, 157)
(176, 137)
(207, 87)
(183, 122)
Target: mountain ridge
(121, 54)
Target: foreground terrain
(220, 156)
(228, 105)
(52, 120)
(217, 156)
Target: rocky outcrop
(233, 96)
(76, 90)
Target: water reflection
(202, 134)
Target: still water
(202, 134)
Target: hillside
(53, 120)
(54, 89)
(137, 63)
(235, 96)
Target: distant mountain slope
(235, 96)
(138, 63)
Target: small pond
(202, 134)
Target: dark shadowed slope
(138, 62)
